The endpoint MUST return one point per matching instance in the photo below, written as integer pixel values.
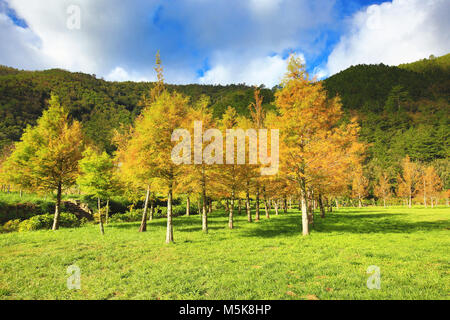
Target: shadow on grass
(183, 224)
(374, 223)
(351, 221)
(355, 222)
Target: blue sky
(220, 41)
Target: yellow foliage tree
(196, 177)
(310, 132)
(407, 181)
(359, 185)
(429, 185)
(383, 188)
(46, 158)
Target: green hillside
(101, 105)
(432, 64)
(402, 111)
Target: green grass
(269, 259)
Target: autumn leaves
(311, 154)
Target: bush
(11, 226)
(219, 205)
(45, 221)
(161, 212)
(134, 215)
(179, 210)
(193, 208)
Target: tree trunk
(425, 194)
(337, 203)
(285, 204)
(239, 206)
(276, 206)
(107, 211)
(230, 218)
(310, 213)
(257, 203)
(209, 206)
(330, 207)
(143, 226)
(322, 209)
(169, 233)
(152, 210)
(410, 199)
(204, 213)
(204, 216)
(266, 207)
(188, 206)
(199, 206)
(102, 229)
(57, 208)
(247, 204)
(305, 223)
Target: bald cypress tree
(46, 158)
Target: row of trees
(416, 180)
(319, 152)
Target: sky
(218, 41)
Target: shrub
(45, 221)
(134, 215)
(193, 208)
(161, 212)
(219, 205)
(179, 210)
(11, 226)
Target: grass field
(269, 259)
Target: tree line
(321, 156)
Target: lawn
(269, 259)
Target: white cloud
(267, 70)
(118, 39)
(394, 33)
(120, 74)
(319, 73)
(264, 7)
(20, 46)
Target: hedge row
(42, 222)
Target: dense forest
(402, 110)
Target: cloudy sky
(218, 41)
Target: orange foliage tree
(313, 141)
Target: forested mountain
(100, 105)
(402, 110)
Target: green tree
(97, 178)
